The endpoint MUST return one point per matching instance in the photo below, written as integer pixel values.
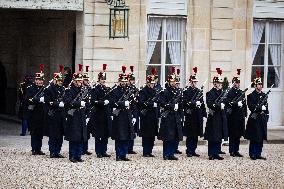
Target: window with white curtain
(267, 52)
(165, 46)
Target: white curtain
(154, 26)
(258, 28)
(174, 32)
(275, 49)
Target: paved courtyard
(19, 169)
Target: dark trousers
(130, 145)
(85, 146)
(169, 148)
(148, 144)
(213, 148)
(36, 142)
(24, 126)
(75, 150)
(55, 145)
(101, 145)
(176, 145)
(121, 148)
(234, 145)
(255, 148)
(191, 145)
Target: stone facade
(218, 35)
(75, 5)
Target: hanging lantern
(118, 19)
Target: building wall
(98, 49)
(218, 35)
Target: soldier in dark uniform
(194, 111)
(256, 129)
(23, 103)
(149, 112)
(123, 121)
(88, 88)
(100, 121)
(76, 129)
(134, 108)
(216, 125)
(236, 115)
(35, 100)
(53, 97)
(171, 122)
(181, 110)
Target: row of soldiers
(122, 111)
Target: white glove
(133, 121)
(111, 117)
(240, 104)
(155, 105)
(126, 103)
(106, 102)
(263, 107)
(222, 106)
(41, 99)
(87, 120)
(176, 107)
(83, 104)
(198, 103)
(61, 104)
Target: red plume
(173, 70)
(80, 67)
(123, 69)
(41, 67)
(178, 71)
(87, 68)
(60, 68)
(132, 68)
(258, 72)
(195, 69)
(153, 71)
(104, 66)
(219, 71)
(238, 71)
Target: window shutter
(167, 7)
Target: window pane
(156, 56)
(263, 36)
(274, 32)
(273, 77)
(160, 34)
(253, 72)
(259, 57)
(174, 28)
(274, 55)
(258, 32)
(173, 53)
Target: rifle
(235, 100)
(127, 94)
(196, 97)
(176, 98)
(260, 103)
(220, 99)
(40, 92)
(145, 110)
